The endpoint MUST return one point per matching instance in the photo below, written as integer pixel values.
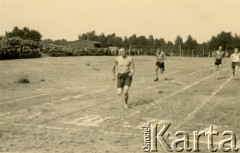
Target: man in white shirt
(124, 76)
(235, 57)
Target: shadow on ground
(141, 101)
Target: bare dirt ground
(69, 107)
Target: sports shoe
(126, 106)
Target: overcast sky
(58, 19)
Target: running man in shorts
(218, 60)
(235, 58)
(126, 69)
(160, 58)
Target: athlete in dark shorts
(124, 76)
(160, 58)
(218, 60)
(235, 65)
(123, 79)
(160, 65)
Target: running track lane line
(65, 128)
(190, 115)
(202, 69)
(84, 95)
(180, 91)
(79, 96)
(183, 89)
(36, 126)
(100, 131)
(132, 114)
(162, 100)
(67, 98)
(199, 71)
(148, 87)
(109, 100)
(11, 101)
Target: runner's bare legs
(235, 72)
(161, 71)
(125, 96)
(219, 71)
(219, 55)
(156, 73)
(124, 93)
(160, 58)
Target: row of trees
(114, 40)
(55, 42)
(224, 39)
(25, 34)
(20, 43)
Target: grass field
(70, 106)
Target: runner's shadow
(168, 79)
(141, 101)
(222, 78)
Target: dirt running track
(72, 108)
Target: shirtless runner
(126, 69)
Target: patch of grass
(88, 63)
(42, 80)
(160, 92)
(95, 69)
(23, 79)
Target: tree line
(224, 39)
(227, 40)
(25, 34)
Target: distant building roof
(84, 44)
(95, 42)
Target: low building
(84, 44)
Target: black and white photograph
(119, 76)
